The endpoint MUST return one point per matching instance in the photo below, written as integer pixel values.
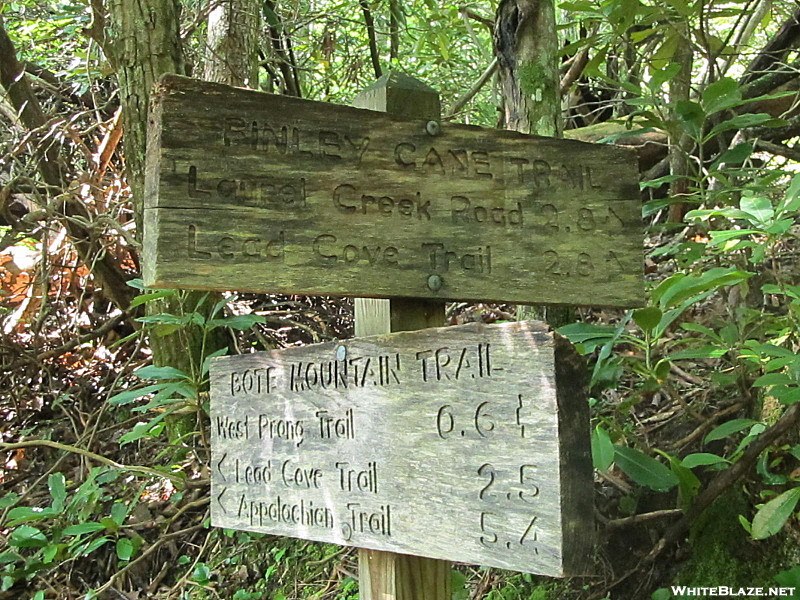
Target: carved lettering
(304, 513)
(347, 201)
(453, 162)
(350, 254)
(378, 522)
(288, 140)
(333, 427)
(463, 210)
(281, 429)
(441, 259)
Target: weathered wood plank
(465, 443)
(389, 575)
(257, 192)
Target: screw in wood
(341, 353)
(435, 283)
(433, 128)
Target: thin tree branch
(150, 549)
(775, 51)
(92, 456)
(373, 44)
(575, 69)
(476, 87)
(643, 518)
(778, 149)
(110, 276)
(725, 479)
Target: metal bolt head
(341, 352)
(434, 283)
(433, 128)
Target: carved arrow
(219, 466)
(219, 500)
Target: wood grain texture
(389, 575)
(465, 443)
(256, 192)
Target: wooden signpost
(252, 192)
(467, 443)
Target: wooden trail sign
(253, 192)
(467, 443)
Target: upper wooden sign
(467, 443)
(256, 192)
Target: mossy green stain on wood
(256, 192)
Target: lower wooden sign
(466, 443)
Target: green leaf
(26, 514)
(125, 549)
(692, 115)
(458, 583)
(142, 298)
(201, 574)
(9, 499)
(679, 287)
(94, 545)
(81, 528)
(118, 512)
(580, 332)
(702, 459)
(723, 93)
(718, 238)
(757, 207)
(158, 373)
(647, 318)
(137, 284)
(728, 428)
(50, 552)
(141, 430)
(207, 360)
(271, 17)
(661, 594)
(688, 483)
(738, 122)
(708, 351)
(58, 490)
(773, 379)
(734, 156)
(771, 516)
(26, 536)
(644, 469)
(602, 449)
(662, 57)
(790, 578)
(128, 396)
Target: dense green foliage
(694, 398)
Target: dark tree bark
(143, 42)
(232, 43)
(526, 46)
(775, 51)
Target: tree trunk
(142, 42)
(680, 144)
(526, 46)
(232, 43)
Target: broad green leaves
(645, 470)
(771, 517)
